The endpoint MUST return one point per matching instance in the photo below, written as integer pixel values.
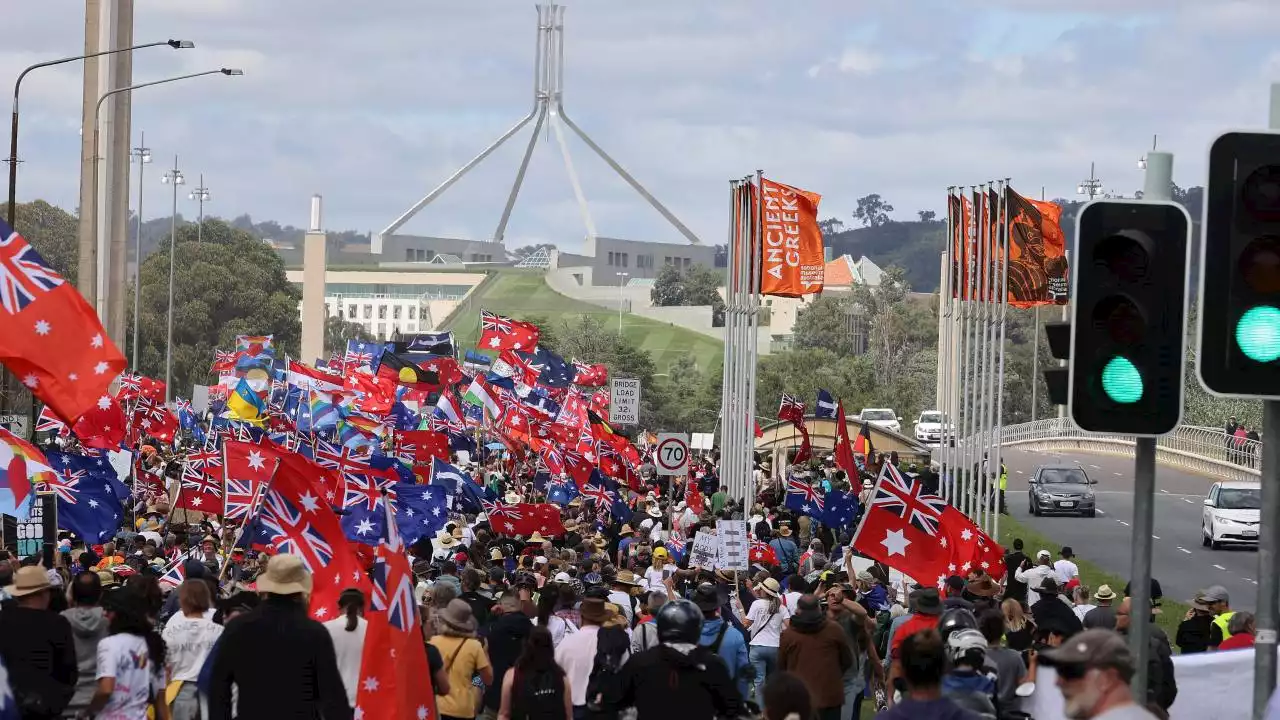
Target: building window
(413, 312)
(395, 313)
(623, 256)
(351, 312)
(382, 312)
(368, 312)
(666, 260)
(687, 263)
(326, 309)
(408, 254)
(611, 257)
(421, 254)
(382, 331)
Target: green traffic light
(1121, 381)
(1258, 334)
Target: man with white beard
(1094, 669)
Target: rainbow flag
(22, 466)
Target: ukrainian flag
(245, 404)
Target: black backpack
(538, 696)
(604, 686)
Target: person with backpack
(764, 621)
(576, 653)
(722, 638)
(679, 678)
(536, 688)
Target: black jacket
(1014, 588)
(506, 640)
(1162, 685)
(40, 654)
(283, 663)
(1050, 611)
(662, 683)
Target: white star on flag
(309, 502)
(100, 368)
(943, 542)
(104, 402)
(321, 611)
(966, 535)
(371, 683)
(73, 377)
(96, 341)
(364, 528)
(494, 342)
(30, 380)
(43, 327)
(256, 461)
(895, 542)
(422, 712)
(93, 503)
(197, 500)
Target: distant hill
(916, 246)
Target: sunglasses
(1072, 672)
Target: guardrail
(1203, 450)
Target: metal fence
(1197, 449)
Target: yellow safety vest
(1221, 621)
(1004, 478)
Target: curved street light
(99, 238)
(17, 86)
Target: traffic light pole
(1264, 654)
(1156, 186)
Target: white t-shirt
(1065, 570)
(188, 642)
(766, 631)
(789, 600)
(349, 647)
(653, 577)
(125, 658)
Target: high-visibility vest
(1221, 621)
(1004, 478)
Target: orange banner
(1037, 253)
(792, 262)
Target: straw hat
(626, 577)
(784, 531)
(457, 533)
(536, 537)
(512, 498)
(285, 575)
(445, 540)
(626, 529)
(593, 611)
(28, 581)
(770, 587)
(495, 554)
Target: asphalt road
(1178, 560)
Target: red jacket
(1237, 641)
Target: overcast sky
(372, 104)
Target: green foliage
(231, 284)
(872, 211)
(53, 232)
(695, 285)
(825, 323)
(338, 331)
(524, 252)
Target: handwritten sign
(705, 551)
(39, 527)
(734, 545)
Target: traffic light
(1056, 379)
(1128, 332)
(1239, 314)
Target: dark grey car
(1062, 488)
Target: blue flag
(803, 498)
(840, 510)
(88, 502)
(421, 511)
(826, 405)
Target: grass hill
(523, 294)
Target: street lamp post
(143, 154)
(1092, 187)
(1142, 161)
(174, 178)
(100, 239)
(200, 194)
(622, 281)
(17, 86)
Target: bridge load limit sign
(624, 401)
(672, 454)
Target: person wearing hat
(1197, 627)
(576, 653)
(720, 635)
(1033, 576)
(1065, 567)
(1219, 602)
(464, 656)
(37, 646)
(784, 548)
(655, 578)
(281, 661)
(1162, 684)
(1052, 609)
(1103, 615)
(818, 650)
(624, 587)
(1093, 671)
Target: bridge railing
(1202, 450)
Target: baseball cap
(1089, 649)
(1215, 593)
(1040, 554)
(562, 577)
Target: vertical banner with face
(1037, 252)
(792, 261)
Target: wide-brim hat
(536, 537)
(928, 602)
(1104, 593)
(457, 616)
(654, 511)
(446, 540)
(626, 577)
(286, 575)
(457, 533)
(28, 581)
(784, 531)
(495, 554)
(626, 529)
(593, 611)
(983, 587)
(770, 587)
(512, 498)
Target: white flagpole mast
(984, 348)
(944, 351)
(970, 362)
(1004, 312)
(993, 285)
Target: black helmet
(956, 619)
(679, 621)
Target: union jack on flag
(496, 510)
(908, 500)
(64, 484)
(791, 409)
(23, 273)
(290, 531)
(494, 322)
(393, 580)
(195, 479)
(240, 498)
(48, 422)
(808, 493)
(363, 491)
(603, 497)
(358, 355)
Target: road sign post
(624, 401)
(672, 454)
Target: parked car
(1232, 513)
(882, 417)
(929, 427)
(1061, 488)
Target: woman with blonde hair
(190, 635)
(1018, 628)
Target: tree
(926, 216)
(668, 287)
(53, 232)
(231, 284)
(830, 226)
(695, 286)
(873, 211)
(825, 323)
(338, 331)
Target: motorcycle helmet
(956, 619)
(679, 621)
(966, 647)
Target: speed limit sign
(672, 454)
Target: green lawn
(1091, 575)
(525, 294)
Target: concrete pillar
(87, 272)
(117, 177)
(314, 260)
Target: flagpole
(1002, 234)
(755, 256)
(944, 351)
(984, 360)
(730, 349)
(970, 371)
(990, 368)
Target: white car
(882, 417)
(1231, 514)
(929, 427)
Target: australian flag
(554, 371)
(420, 510)
(562, 493)
(804, 498)
(88, 501)
(839, 510)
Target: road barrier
(1203, 450)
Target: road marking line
(1166, 492)
(1095, 467)
(1255, 582)
(1099, 512)
(1219, 567)
(1187, 501)
(1118, 474)
(1123, 523)
(1185, 550)
(1155, 537)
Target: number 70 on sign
(671, 456)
